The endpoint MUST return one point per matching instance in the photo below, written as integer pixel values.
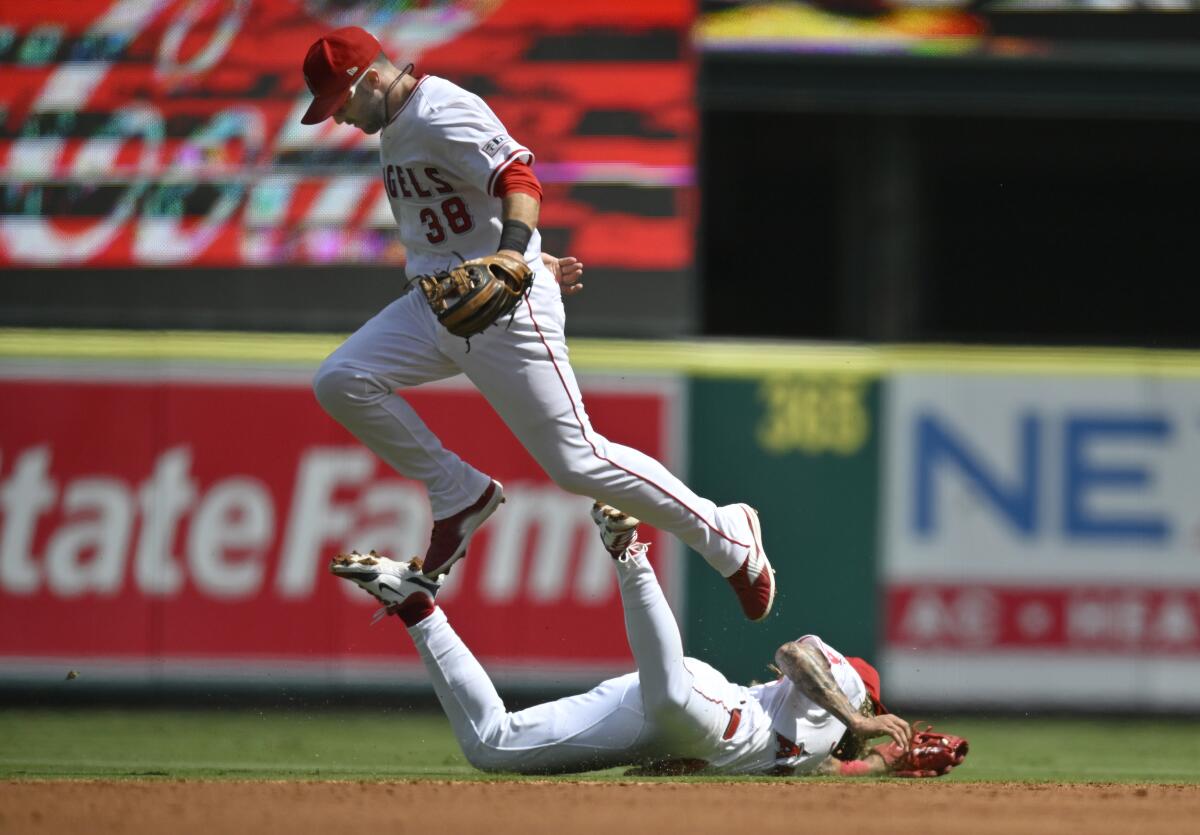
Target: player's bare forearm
(808, 668)
(871, 765)
(521, 206)
(518, 205)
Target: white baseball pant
(672, 707)
(523, 371)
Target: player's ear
(371, 79)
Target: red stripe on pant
(596, 452)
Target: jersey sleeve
(468, 138)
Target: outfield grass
(374, 744)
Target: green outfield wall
(802, 448)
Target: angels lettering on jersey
(452, 213)
(442, 154)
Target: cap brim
(323, 107)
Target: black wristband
(515, 235)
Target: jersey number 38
(456, 215)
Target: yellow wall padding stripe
(166, 346)
(704, 358)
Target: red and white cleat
(754, 581)
(395, 585)
(448, 542)
(618, 531)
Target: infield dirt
(622, 808)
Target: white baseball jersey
(442, 154)
(804, 732)
(783, 731)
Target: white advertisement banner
(1037, 522)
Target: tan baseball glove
(474, 295)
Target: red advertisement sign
(1089, 619)
(187, 524)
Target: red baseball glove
(930, 754)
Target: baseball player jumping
(462, 190)
(675, 714)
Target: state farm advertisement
(1042, 540)
(163, 528)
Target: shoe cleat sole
(347, 563)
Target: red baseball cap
(870, 677)
(331, 67)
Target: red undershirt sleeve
(518, 176)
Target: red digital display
(167, 132)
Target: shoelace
(637, 549)
(622, 541)
(380, 613)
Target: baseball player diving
(487, 305)
(675, 715)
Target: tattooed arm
(808, 668)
